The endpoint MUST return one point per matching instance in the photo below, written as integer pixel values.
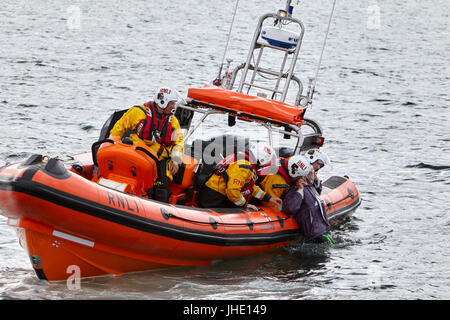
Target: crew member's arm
(126, 122)
(237, 178)
(260, 194)
(129, 120)
(275, 186)
(178, 146)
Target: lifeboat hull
(70, 225)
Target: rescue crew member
(232, 182)
(154, 124)
(304, 203)
(318, 160)
(277, 185)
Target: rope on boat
(167, 215)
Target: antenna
(313, 81)
(218, 80)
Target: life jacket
(283, 169)
(222, 166)
(151, 128)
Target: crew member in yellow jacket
(232, 182)
(155, 125)
(277, 185)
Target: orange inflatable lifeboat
(99, 219)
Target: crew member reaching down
(277, 185)
(232, 182)
(304, 203)
(154, 124)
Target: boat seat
(127, 164)
(212, 151)
(184, 178)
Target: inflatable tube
(64, 219)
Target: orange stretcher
(252, 105)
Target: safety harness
(151, 128)
(222, 166)
(283, 171)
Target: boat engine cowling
(129, 168)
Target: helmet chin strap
(161, 111)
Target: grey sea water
(382, 99)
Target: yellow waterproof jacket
(131, 119)
(275, 185)
(238, 174)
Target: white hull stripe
(69, 237)
(12, 222)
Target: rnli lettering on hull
(118, 201)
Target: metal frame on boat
(288, 129)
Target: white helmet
(314, 155)
(263, 154)
(298, 166)
(164, 95)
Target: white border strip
(12, 222)
(69, 237)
